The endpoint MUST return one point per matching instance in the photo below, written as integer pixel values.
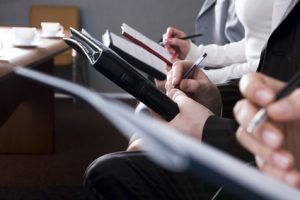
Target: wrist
(194, 52)
(198, 129)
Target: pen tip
(205, 54)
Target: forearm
(219, 55)
(234, 71)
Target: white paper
(146, 41)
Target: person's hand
(176, 47)
(192, 115)
(160, 84)
(198, 86)
(283, 123)
(135, 145)
(190, 120)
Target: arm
(219, 56)
(234, 71)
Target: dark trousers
(131, 175)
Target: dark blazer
(279, 59)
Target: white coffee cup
(51, 28)
(24, 35)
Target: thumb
(177, 95)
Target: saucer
(26, 45)
(56, 36)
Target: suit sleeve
(220, 133)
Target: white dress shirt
(259, 18)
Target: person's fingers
(290, 177)
(164, 37)
(177, 47)
(190, 85)
(176, 42)
(286, 109)
(244, 112)
(136, 145)
(176, 95)
(170, 32)
(259, 88)
(178, 69)
(282, 159)
(169, 85)
(160, 84)
(173, 33)
(250, 143)
(259, 162)
(171, 50)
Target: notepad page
(146, 41)
(134, 50)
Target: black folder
(150, 64)
(118, 70)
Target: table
(27, 108)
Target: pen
(194, 66)
(262, 114)
(184, 38)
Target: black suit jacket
(279, 59)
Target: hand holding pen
(177, 43)
(265, 138)
(194, 83)
(262, 114)
(183, 70)
(162, 43)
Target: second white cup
(51, 28)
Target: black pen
(194, 66)
(262, 114)
(184, 38)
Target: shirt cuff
(195, 52)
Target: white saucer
(27, 45)
(56, 36)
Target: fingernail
(263, 96)
(281, 161)
(237, 107)
(282, 107)
(291, 179)
(241, 113)
(270, 138)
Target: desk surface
(27, 108)
(11, 56)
